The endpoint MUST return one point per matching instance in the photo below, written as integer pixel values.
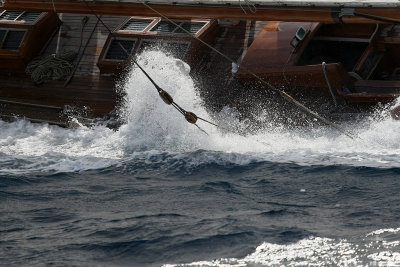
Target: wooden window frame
(151, 24)
(37, 34)
(13, 22)
(5, 36)
(122, 39)
(180, 22)
(193, 53)
(156, 20)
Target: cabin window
(29, 16)
(138, 34)
(136, 25)
(23, 34)
(24, 16)
(11, 39)
(164, 26)
(116, 52)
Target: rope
(329, 84)
(84, 22)
(55, 67)
(378, 18)
(29, 104)
(271, 87)
(54, 6)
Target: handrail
(30, 104)
(61, 124)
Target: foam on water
(376, 249)
(153, 127)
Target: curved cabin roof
(271, 50)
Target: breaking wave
(151, 127)
(378, 248)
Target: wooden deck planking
(97, 92)
(86, 90)
(69, 39)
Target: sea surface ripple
(157, 192)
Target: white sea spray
(317, 251)
(152, 127)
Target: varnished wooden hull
(85, 97)
(268, 54)
(89, 95)
(272, 58)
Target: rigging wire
(281, 92)
(80, 55)
(54, 6)
(250, 5)
(165, 96)
(271, 87)
(378, 18)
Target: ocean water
(160, 192)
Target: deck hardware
(166, 97)
(338, 13)
(346, 12)
(191, 117)
(298, 37)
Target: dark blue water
(158, 191)
(142, 213)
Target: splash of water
(153, 127)
(376, 250)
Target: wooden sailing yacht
(63, 58)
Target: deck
(91, 93)
(94, 94)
